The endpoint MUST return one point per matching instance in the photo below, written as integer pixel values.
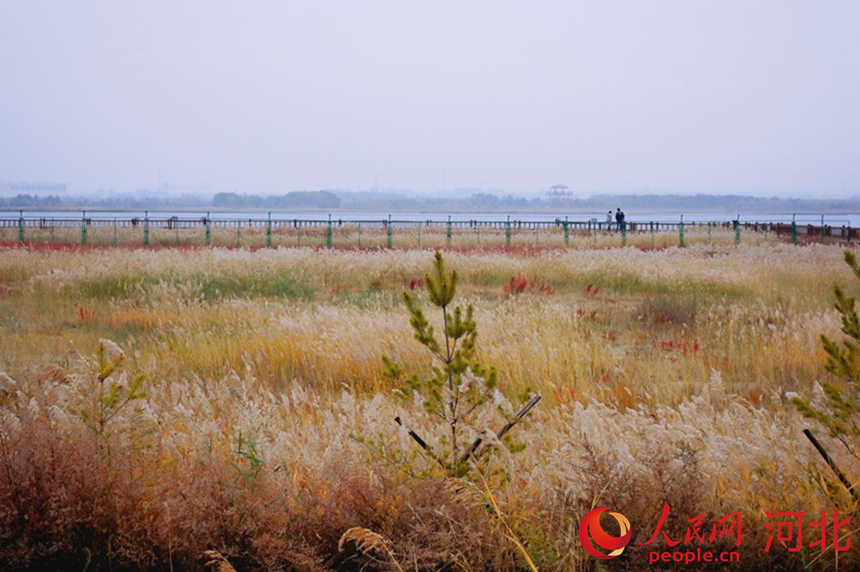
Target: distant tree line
(485, 202)
(300, 199)
(477, 202)
(717, 203)
(297, 199)
(114, 203)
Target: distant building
(25, 188)
(559, 193)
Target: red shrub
(519, 284)
(85, 315)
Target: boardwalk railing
(389, 232)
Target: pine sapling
(457, 385)
(840, 413)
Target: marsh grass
(663, 374)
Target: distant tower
(559, 194)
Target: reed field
(188, 408)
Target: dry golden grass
(266, 430)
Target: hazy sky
(726, 96)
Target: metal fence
(390, 233)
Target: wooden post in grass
(681, 233)
(21, 226)
(269, 232)
(830, 462)
(208, 230)
(146, 228)
(508, 233)
(328, 233)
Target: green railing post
(737, 223)
(238, 233)
(359, 235)
(84, 229)
(269, 232)
(448, 237)
(623, 233)
(388, 233)
(822, 229)
(146, 228)
(328, 235)
(653, 241)
(566, 233)
(21, 226)
(208, 230)
(176, 229)
(793, 230)
(52, 230)
(710, 228)
(681, 233)
(508, 233)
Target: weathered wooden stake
(518, 417)
(830, 462)
(477, 442)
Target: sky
(757, 97)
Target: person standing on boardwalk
(609, 220)
(619, 217)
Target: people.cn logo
(590, 525)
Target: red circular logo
(590, 526)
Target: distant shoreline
(439, 211)
(325, 202)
